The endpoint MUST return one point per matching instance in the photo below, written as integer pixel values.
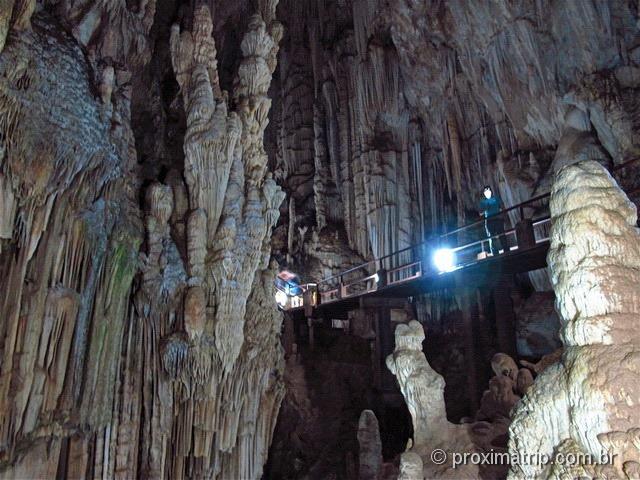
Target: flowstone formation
(68, 249)
(225, 361)
(586, 405)
(139, 333)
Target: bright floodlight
(444, 259)
(281, 298)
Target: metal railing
(413, 262)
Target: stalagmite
(423, 389)
(370, 446)
(586, 405)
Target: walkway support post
(309, 297)
(467, 300)
(289, 336)
(505, 316)
(312, 340)
(382, 278)
(524, 234)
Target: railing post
(524, 234)
(307, 300)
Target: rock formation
(164, 363)
(370, 454)
(586, 405)
(423, 389)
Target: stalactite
(15, 15)
(292, 230)
(321, 173)
(70, 253)
(8, 212)
(456, 163)
(418, 185)
(112, 29)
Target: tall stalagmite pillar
(586, 405)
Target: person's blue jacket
(490, 206)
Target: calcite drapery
(587, 403)
(70, 238)
(123, 384)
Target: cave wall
(416, 105)
(148, 148)
(71, 231)
(140, 337)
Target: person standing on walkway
(490, 207)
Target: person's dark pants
(494, 227)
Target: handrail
(500, 213)
(624, 164)
(435, 238)
(482, 240)
(353, 269)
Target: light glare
(444, 259)
(281, 298)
